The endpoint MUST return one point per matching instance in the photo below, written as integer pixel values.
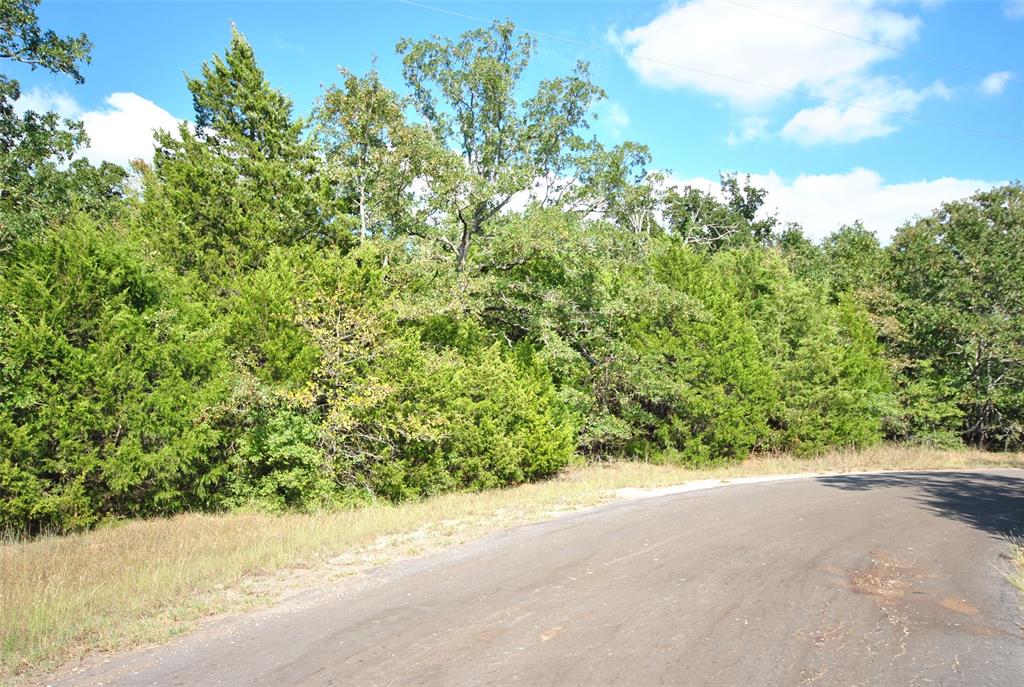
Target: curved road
(886, 579)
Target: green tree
(241, 179)
(37, 184)
(643, 336)
(713, 385)
(419, 408)
(957, 308)
(108, 373)
(855, 260)
(374, 155)
(698, 218)
(616, 185)
(467, 93)
(833, 383)
(804, 258)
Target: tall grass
(148, 580)
(1016, 571)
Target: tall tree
(37, 185)
(616, 185)
(958, 307)
(374, 156)
(243, 178)
(855, 258)
(467, 92)
(701, 219)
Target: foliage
(854, 261)
(23, 41)
(711, 383)
(957, 308)
(38, 186)
(241, 179)
(700, 219)
(106, 373)
(467, 93)
(421, 409)
(374, 157)
(383, 308)
(834, 386)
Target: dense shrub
(710, 391)
(107, 371)
(662, 346)
(419, 408)
(834, 387)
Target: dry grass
(1016, 572)
(146, 581)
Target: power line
(862, 39)
(736, 79)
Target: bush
(106, 375)
(418, 409)
(279, 463)
(833, 382)
(709, 389)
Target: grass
(1016, 572)
(149, 580)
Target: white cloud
(1014, 8)
(125, 131)
(713, 37)
(120, 132)
(46, 100)
(822, 203)
(876, 100)
(726, 49)
(995, 83)
(751, 128)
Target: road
(886, 579)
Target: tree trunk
(362, 212)
(462, 252)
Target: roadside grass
(1016, 572)
(146, 581)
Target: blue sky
(843, 110)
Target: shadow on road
(990, 502)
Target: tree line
(453, 287)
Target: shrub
(833, 382)
(106, 374)
(416, 409)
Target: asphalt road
(891, 579)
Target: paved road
(890, 579)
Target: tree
(803, 257)
(108, 374)
(855, 260)
(957, 312)
(37, 185)
(616, 186)
(466, 91)
(242, 179)
(22, 40)
(698, 218)
(373, 155)
(418, 408)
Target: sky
(864, 110)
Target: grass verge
(149, 580)
(1016, 573)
